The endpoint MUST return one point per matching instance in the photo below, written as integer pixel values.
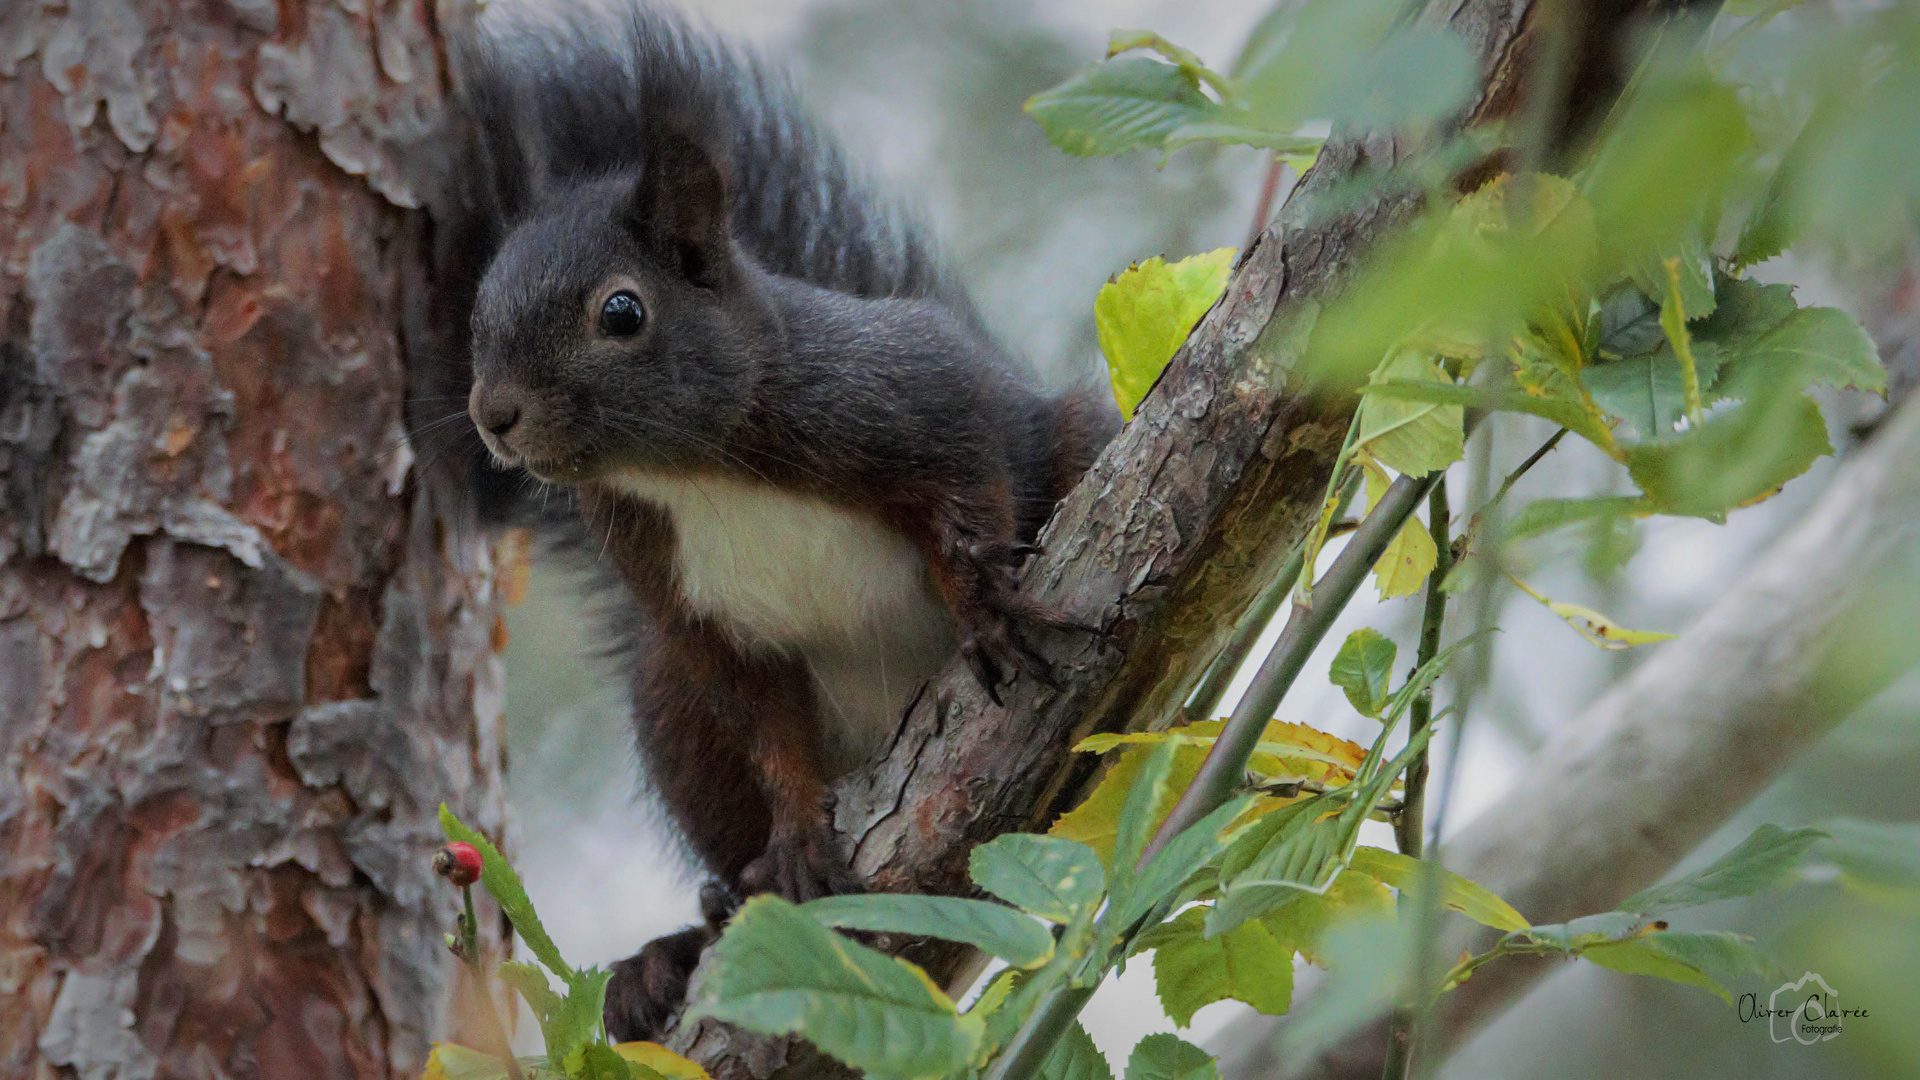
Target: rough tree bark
(246, 645)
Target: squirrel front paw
(806, 865)
(997, 624)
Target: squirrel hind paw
(802, 868)
(648, 988)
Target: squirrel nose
(494, 409)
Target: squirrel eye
(621, 316)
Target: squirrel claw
(647, 989)
(801, 868)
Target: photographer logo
(1806, 1011)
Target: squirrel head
(619, 326)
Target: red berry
(458, 862)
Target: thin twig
(1263, 209)
(1409, 826)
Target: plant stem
(1029, 1047)
(1409, 829)
(1225, 767)
(470, 956)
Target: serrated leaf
(1411, 556)
(1747, 311)
(1736, 458)
(1305, 920)
(498, 878)
(1586, 930)
(1410, 437)
(1648, 391)
(1113, 106)
(1247, 964)
(1183, 856)
(1297, 65)
(1629, 324)
(1169, 1057)
(1673, 320)
(1822, 346)
(1146, 312)
(1693, 265)
(1568, 413)
(1457, 893)
(1644, 956)
(1054, 878)
(660, 1060)
(1362, 669)
(1075, 1057)
(567, 1022)
(991, 928)
(1766, 857)
(778, 971)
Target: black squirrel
(785, 427)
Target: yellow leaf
(1593, 626)
(660, 1060)
(1474, 901)
(1292, 750)
(1145, 313)
(451, 1061)
(1411, 556)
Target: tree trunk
(246, 644)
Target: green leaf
(1456, 892)
(1305, 919)
(566, 1023)
(1695, 266)
(1411, 555)
(1736, 458)
(1196, 846)
(1145, 313)
(1747, 311)
(1584, 931)
(1139, 815)
(778, 971)
(1054, 878)
(1569, 414)
(1113, 106)
(1075, 1057)
(1648, 391)
(1878, 853)
(1639, 956)
(1767, 856)
(1127, 40)
(1247, 964)
(1237, 127)
(1362, 669)
(1169, 1057)
(1411, 437)
(1545, 515)
(1298, 67)
(1367, 961)
(1813, 345)
(1418, 76)
(501, 883)
(989, 927)
(598, 1061)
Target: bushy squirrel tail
(557, 95)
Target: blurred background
(930, 95)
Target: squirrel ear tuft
(679, 205)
